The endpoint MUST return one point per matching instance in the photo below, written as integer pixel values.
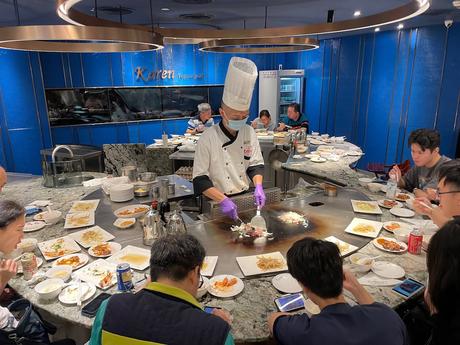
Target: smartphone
(290, 302)
(209, 309)
(408, 288)
(91, 308)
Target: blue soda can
(124, 277)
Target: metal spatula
(258, 221)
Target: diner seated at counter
(294, 119)
(422, 179)
(264, 121)
(201, 121)
(317, 266)
(165, 311)
(3, 178)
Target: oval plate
(402, 212)
(286, 283)
(83, 260)
(131, 211)
(114, 248)
(231, 291)
(34, 226)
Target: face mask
(236, 124)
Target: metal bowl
(141, 191)
(148, 176)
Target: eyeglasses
(438, 193)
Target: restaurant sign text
(144, 74)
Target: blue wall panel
(76, 70)
(97, 69)
(26, 159)
(53, 70)
(149, 131)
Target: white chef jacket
(226, 162)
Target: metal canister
(415, 242)
(124, 277)
(171, 189)
(29, 265)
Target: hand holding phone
(290, 302)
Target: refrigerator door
(268, 93)
(290, 92)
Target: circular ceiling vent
(196, 16)
(193, 2)
(115, 10)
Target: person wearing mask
(422, 179)
(317, 266)
(198, 123)
(447, 193)
(295, 119)
(166, 310)
(228, 154)
(442, 295)
(12, 221)
(264, 121)
(3, 178)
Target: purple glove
(229, 208)
(259, 195)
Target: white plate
(286, 283)
(388, 270)
(98, 270)
(92, 236)
(69, 294)
(354, 153)
(373, 207)
(114, 248)
(381, 202)
(373, 232)
(34, 226)
(209, 264)
(318, 160)
(249, 264)
(344, 247)
(78, 220)
(83, 260)
(403, 196)
(137, 258)
(39, 263)
(84, 206)
(226, 292)
(316, 142)
(53, 249)
(402, 212)
(119, 223)
(133, 211)
(311, 155)
(387, 226)
(39, 216)
(379, 246)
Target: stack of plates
(122, 192)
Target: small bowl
(49, 289)
(52, 217)
(364, 181)
(60, 272)
(124, 223)
(360, 264)
(374, 187)
(410, 203)
(28, 244)
(148, 176)
(203, 289)
(402, 234)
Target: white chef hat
(239, 83)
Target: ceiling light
(400, 26)
(456, 4)
(165, 9)
(357, 13)
(260, 45)
(377, 29)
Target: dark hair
(443, 262)
(264, 112)
(296, 107)
(9, 212)
(174, 256)
(451, 172)
(317, 265)
(426, 138)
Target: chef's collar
(228, 134)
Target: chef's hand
(259, 195)
(229, 208)
(8, 269)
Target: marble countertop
(249, 309)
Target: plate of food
(55, 248)
(124, 223)
(100, 272)
(389, 245)
(92, 236)
(344, 247)
(75, 260)
(402, 212)
(364, 227)
(138, 258)
(34, 226)
(293, 218)
(78, 220)
(262, 263)
(70, 294)
(131, 211)
(286, 283)
(104, 249)
(225, 285)
(84, 206)
(388, 203)
(403, 196)
(365, 206)
(39, 263)
(208, 266)
(392, 226)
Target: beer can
(124, 277)
(29, 265)
(415, 242)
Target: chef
(228, 154)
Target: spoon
(258, 221)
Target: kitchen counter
(250, 308)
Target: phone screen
(290, 302)
(408, 287)
(208, 309)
